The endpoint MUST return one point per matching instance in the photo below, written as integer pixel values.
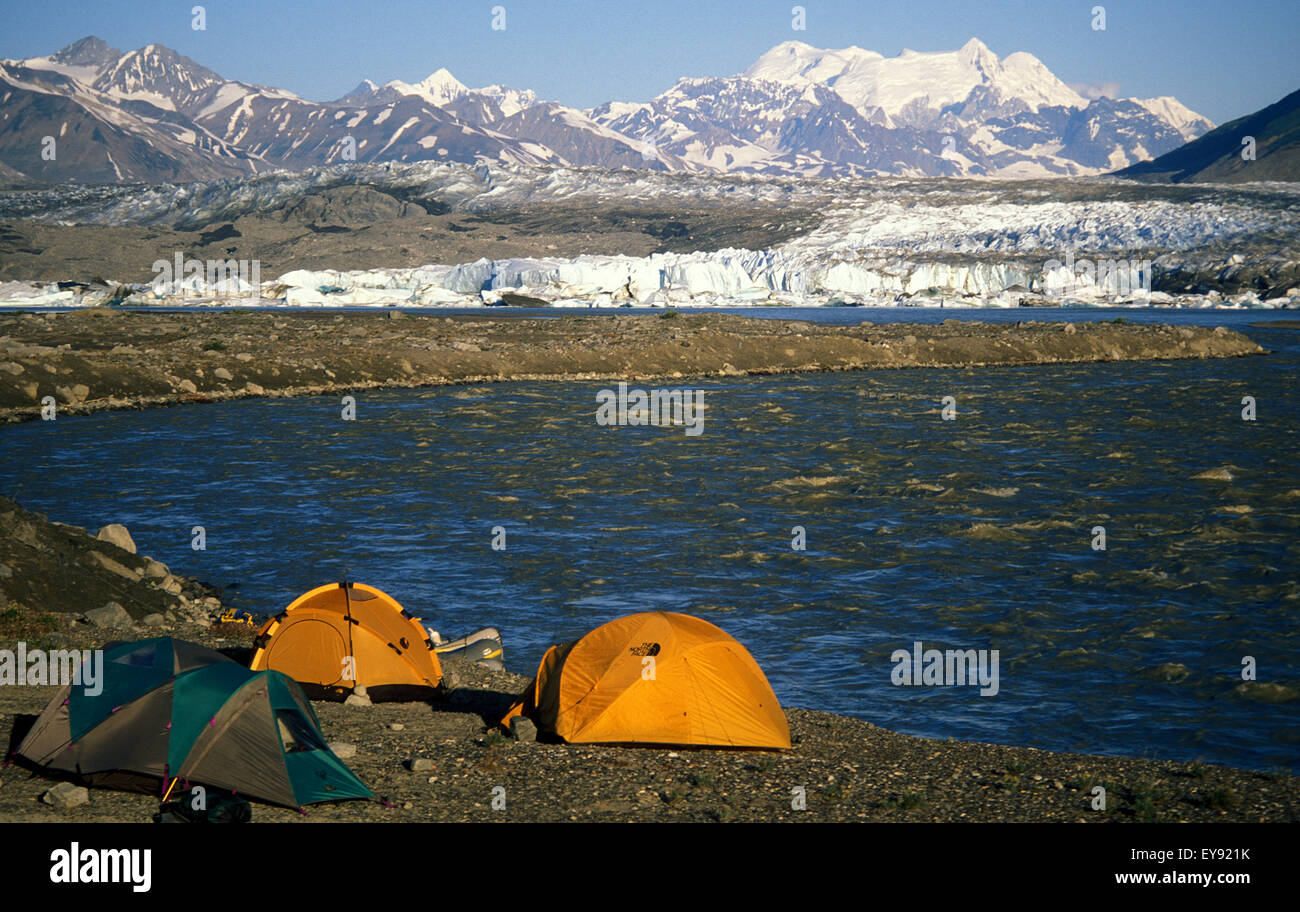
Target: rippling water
(965, 534)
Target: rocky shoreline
(104, 358)
(62, 587)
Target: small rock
(111, 615)
(1223, 473)
(406, 806)
(116, 534)
(187, 386)
(171, 585)
(419, 764)
(356, 699)
(397, 726)
(343, 750)
(523, 729)
(6, 571)
(75, 394)
(66, 795)
(360, 690)
(460, 346)
(1069, 329)
(154, 620)
(244, 357)
(254, 389)
(222, 374)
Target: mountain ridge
(1274, 132)
(797, 110)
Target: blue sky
(1223, 59)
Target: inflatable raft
(482, 647)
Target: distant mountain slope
(100, 139)
(1216, 156)
(155, 115)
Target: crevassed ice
(877, 238)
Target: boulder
(419, 764)
(355, 699)
(155, 569)
(343, 750)
(154, 620)
(66, 795)
(111, 615)
(117, 534)
(523, 729)
(113, 566)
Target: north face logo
(645, 649)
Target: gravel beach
(101, 358)
(54, 577)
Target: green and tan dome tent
(172, 714)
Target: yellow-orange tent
(655, 678)
(338, 636)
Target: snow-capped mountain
(439, 88)
(820, 112)
(126, 128)
(915, 87)
(153, 114)
(1183, 119)
(1217, 156)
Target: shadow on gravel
(489, 705)
(23, 723)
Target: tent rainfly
(655, 678)
(174, 713)
(341, 635)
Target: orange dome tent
(654, 678)
(311, 641)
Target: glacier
(880, 241)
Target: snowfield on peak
(868, 80)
